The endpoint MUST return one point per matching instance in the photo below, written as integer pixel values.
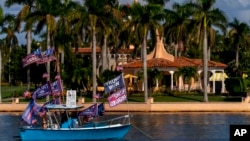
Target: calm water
(157, 126)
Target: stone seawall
(154, 107)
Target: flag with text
(115, 83)
(117, 97)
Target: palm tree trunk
(28, 52)
(176, 49)
(94, 65)
(189, 87)
(208, 53)
(104, 54)
(205, 69)
(144, 59)
(180, 48)
(237, 57)
(48, 63)
(9, 66)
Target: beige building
(160, 59)
(168, 64)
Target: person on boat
(43, 116)
(44, 122)
(87, 118)
(64, 117)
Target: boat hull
(90, 133)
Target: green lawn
(196, 98)
(14, 91)
(10, 91)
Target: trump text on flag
(117, 97)
(114, 84)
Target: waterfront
(167, 126)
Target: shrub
(236, 86)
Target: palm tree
(45, 14)
(177, 28)
(1, 46)
(202, 14)
(63, 34)
(96, 9)
(239, 36)
(107, 22)
(217, 20)
(28, 5)
(80, 26)
(123, 32)
(145, 17)
(11, 38)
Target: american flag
(38, 52)
(48, 56)
(49, 52)
(34, 57)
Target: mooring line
(16, 137)
(143, 132)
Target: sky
(232, 8)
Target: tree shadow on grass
(134, 100)
(232, 99)
(187, 98)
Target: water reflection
(9, 123)
(157, 126)
(188, 126)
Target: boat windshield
(63, 107)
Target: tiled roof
(155, 62)
(183, 61)
(178, 62)
(159, 57)
(210, 63)
(86, 50)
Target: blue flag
(56, 87)
(90, 111)
(42, 91)
(113, 84)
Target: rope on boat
(143, 132)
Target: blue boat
(70, 122)
(74, 128)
